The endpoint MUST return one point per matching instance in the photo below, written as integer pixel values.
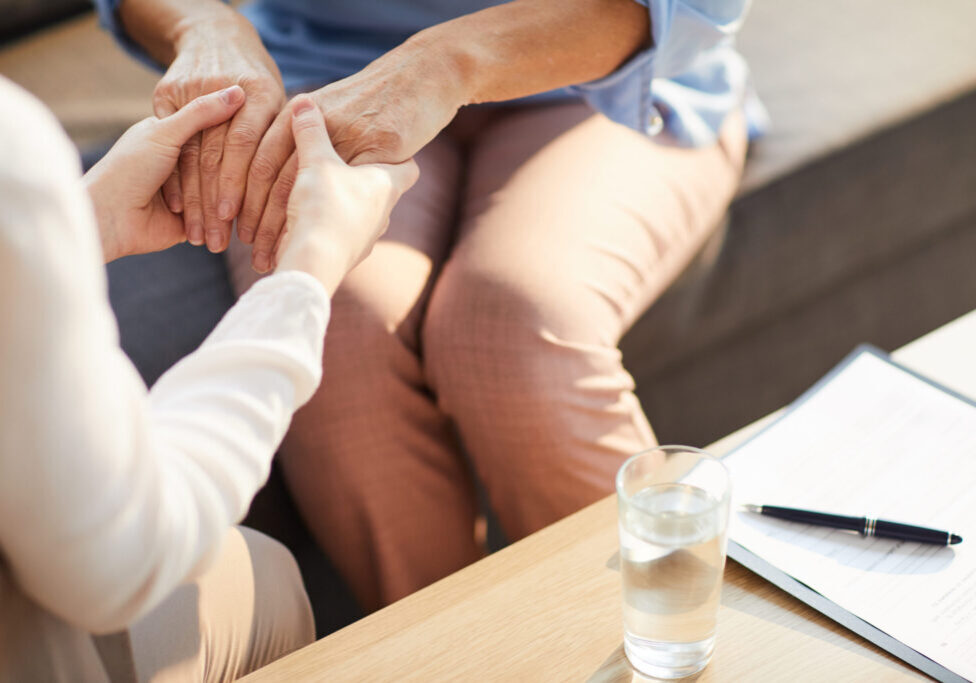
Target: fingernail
(245, 236)
(214, 241)
(232, 95)
(175, 204)
(194, 233)
(261, 262)
(303, 106)
(225, 210)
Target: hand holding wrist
(315, 255)
(335, 211)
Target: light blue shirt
(686, 82)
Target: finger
(240, 145)
(274, 151)
(172, 194)
(189, 166)
(204, 112)
(273, 218)
(216, 231)
(163, 106)
(281, 244)
(311, 137)
(402, 175)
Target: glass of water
(673, 512)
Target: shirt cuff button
(654, 123)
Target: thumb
(311, 138)
(402, 175)
(204, 112)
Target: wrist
(108, 235)
(318, 257)
(104, 222)
(202, 27)
(159, 26)
(449, 62)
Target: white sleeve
(111, 496)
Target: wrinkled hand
(383, 114)
(335, 212)
(209, 185)
(125, 184)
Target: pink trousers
(479, 339)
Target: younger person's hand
(336, 212)
(125, 184)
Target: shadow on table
(616, 669)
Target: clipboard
(758, 562)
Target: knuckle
(248, 226)
(247, 220)
(210, 159)
(261, 85)
(263, 170)
(191, 201)
(379, 181)
(306, 184)
(265, 238)
(242, 136)
(162, 95)
(228, 181)
(190, 154)
(282, 189)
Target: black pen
(866, 526)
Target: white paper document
(872, 440)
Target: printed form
(873, 440)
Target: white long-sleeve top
(112, 495)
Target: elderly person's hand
(125, 185)
(211, 53)
(336, 212)
(385, 113)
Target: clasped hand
(245, 168)
(333, 217)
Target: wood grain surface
(548, 607)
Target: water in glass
(672, 545)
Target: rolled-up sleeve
(108, 14)
(689, 78)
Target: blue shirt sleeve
(687, 81)
(108, 14)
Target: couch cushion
(76, 69)
(167, 303)
(871, 159)
(834, 72)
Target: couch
(855, 222)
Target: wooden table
(548, 607)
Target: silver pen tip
(749, 507)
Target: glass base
(668, 660)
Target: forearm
(172, 471)
(161, 27)
(530, 46)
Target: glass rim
(623, 496)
